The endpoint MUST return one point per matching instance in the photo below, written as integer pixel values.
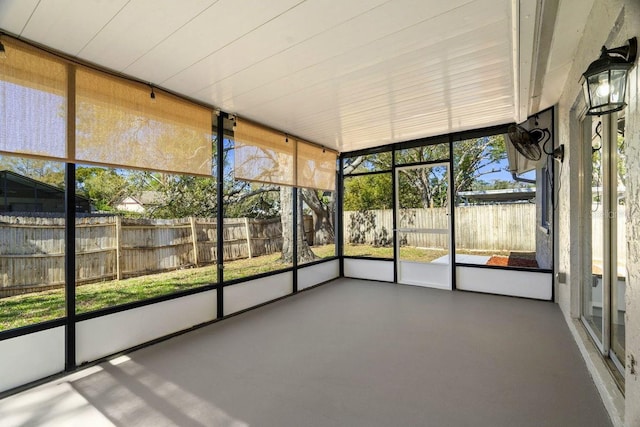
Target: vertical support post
(340, 215)
(70, 267)
(452, 217)
(70, 225)
(296, 220)
(220, 215)
(394, 219)
(248, 234)
(194, 238)
(118, 248)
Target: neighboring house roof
(140, 202)
(24, 183)
(150, 198)
(508, 195)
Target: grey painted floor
(349, 353)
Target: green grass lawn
(407, 253)
(23, 310)
(351, 249)
(37, 307)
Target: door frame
(609, 185)
(450, 266)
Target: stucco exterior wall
(611, 23)
(632, 319)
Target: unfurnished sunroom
(237, 154)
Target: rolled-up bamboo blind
(316, 167)
(118, 124)
(263, 155)
(33, 102)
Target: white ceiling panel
(360, 95)
(212, 30)
(68, 25)
(347, 74)
(279, 34)
(362, 30)
(139, 27)
(14, 15)
(426, 42)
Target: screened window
(258, 224)
(495, 214)
(32, 241)
(364, 163)
(368, 215)
(423, 154)
(150, 234)
(318, 219)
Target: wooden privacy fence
(32, 249)
(485, 227)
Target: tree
(365, 192)
(46, 171)
(323, 211)
(185, 195)
(475, 158)
(105, 187)
(423, 187)
(305, 254)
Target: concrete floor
(349, 353)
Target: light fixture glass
(605, 80)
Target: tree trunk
(286, 217)
(323, 215)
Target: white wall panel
(31, 357)
(432, 275)
(102, 336)
(255, 292)
(318, 273)
(528, 284)
(372, 269)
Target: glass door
(603, 295)
(618, 241)
(593, 288)
(423, 234)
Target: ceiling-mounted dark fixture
(605, 80)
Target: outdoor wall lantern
(605, 80)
